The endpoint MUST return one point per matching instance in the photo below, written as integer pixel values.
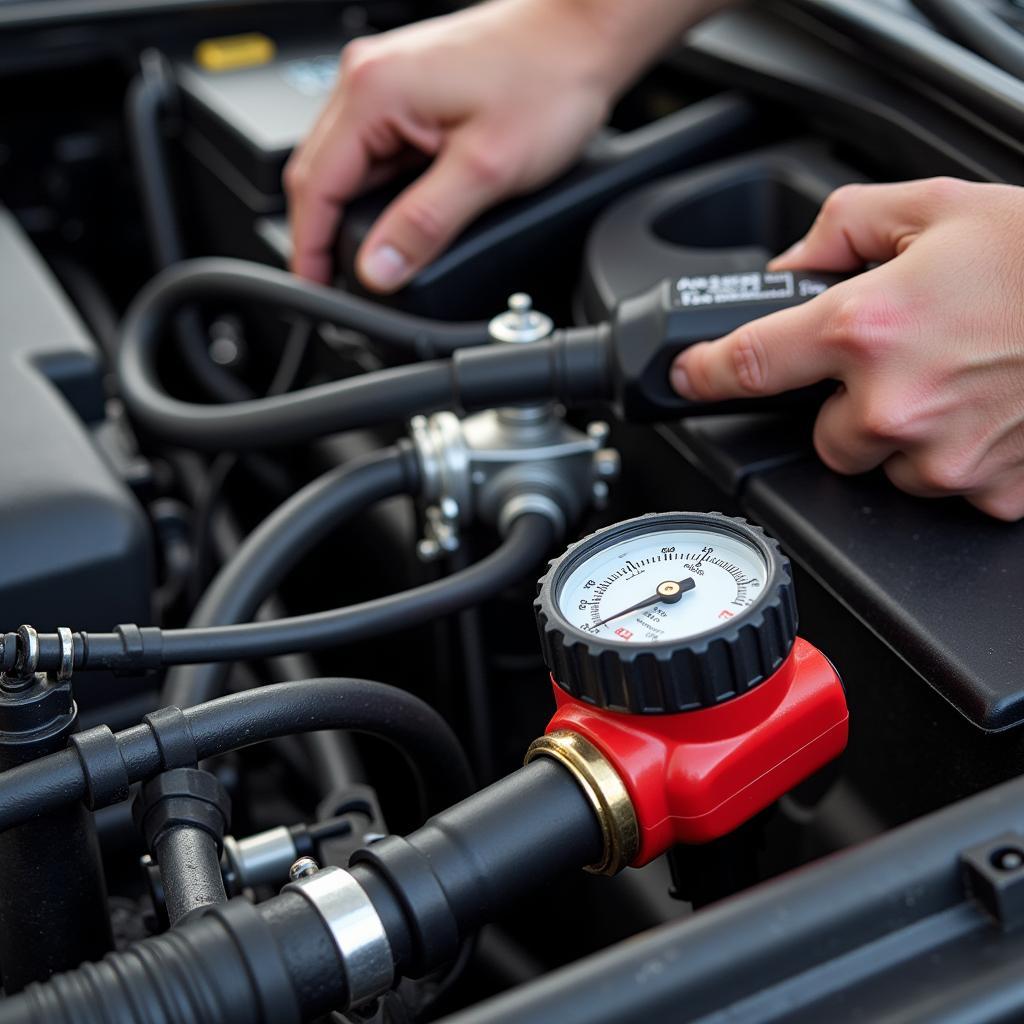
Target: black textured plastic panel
(938, 582)
(74, 543)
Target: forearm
(630, 34)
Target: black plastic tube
(528, 539)
(980, 29)
(242, 719)
(278, 544)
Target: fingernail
(680, 381)
(790, 253)
(385, 268)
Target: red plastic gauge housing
(697, 775)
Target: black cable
(980, 29)
(148, 97)
(527, 540)
(243, 719)
(273, 549)
(131, 649)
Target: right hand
(502, 96)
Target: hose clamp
(356, 929)
(605, 791)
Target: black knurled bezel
(670, 676)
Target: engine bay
(426, 657)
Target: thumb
(461, 183)
(860, 224)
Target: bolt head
(600, 494)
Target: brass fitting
(603, 788)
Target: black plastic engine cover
(74, 543)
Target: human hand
(928, 346)
(502, 96)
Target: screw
(303, 868)
(598, 431)
(600, 493)
(520, 302)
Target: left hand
(928, 347)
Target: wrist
(618, 40)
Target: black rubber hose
(148, 97)
(276, 963)
(979, 29)
(527, 541)
(569, 366)
(240, 720)
(273, 549)
(190, 870)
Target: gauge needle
(668, 592)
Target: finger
(777, 353)
(845, 441)
(1004, 499)
(860, 224)
(329, 169)
(461, 183)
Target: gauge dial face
(665, 585)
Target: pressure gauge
(666, 613)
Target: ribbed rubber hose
(254, 716)
(528, 539)
(276, 546)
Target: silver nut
(598, 431)
(303, 868)
(600, 493)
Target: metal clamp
(604, 789)
(355, 927)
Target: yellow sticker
(228, 53)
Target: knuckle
(487, 165)
(1007, 506)
(750, 361)
(839, 202)
(361, 65)
(941, 191)
(886, 421)
(864, 325)
(945, 474)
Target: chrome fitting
(262, 859)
